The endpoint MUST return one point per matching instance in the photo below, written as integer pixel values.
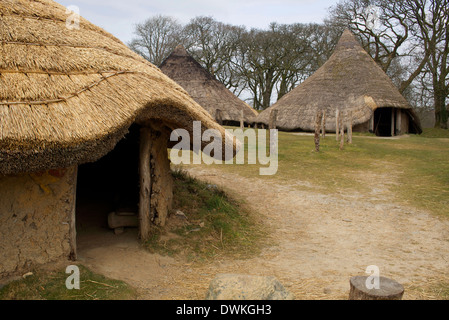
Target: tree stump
(388, 289)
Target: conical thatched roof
(204, 88)
(350, 81)
(67, 96)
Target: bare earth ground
(318, 242)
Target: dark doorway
(382, 121)
(109, 184)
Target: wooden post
(218, 116)
(350, 128)
(145, 183)
(398, 121)
(388, 289)
(242, 123)
(371, 124)
(323, 125)
(319, 118)
(72, 224)
(392, 122)
(342, 133)
(273, 118)
(337, 123)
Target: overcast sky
(119, 16)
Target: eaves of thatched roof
(350, 81)
(68, 95)
(204, 88)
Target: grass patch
(435, 133)
(211, 224)
(417, 166)
(51, 286)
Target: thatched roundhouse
(352, 82)
(205, 89)
(77, 107)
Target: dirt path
(318, 242)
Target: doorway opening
(110, 184)
(382, 122)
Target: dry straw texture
(210, 93)
(350, 81)
(67, 96)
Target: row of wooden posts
(320, 126)
(341, 122)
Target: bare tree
(383, 28)
(431, 20)
(407, 39)
(213, 44)
(156, 38)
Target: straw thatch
(350, 81)
(204, 88)
(68, 95)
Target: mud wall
(36, 219)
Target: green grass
(51, 286)
(435, 133)
(216, 224)
(417, 164)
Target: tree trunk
(388, 289)
(440, 110)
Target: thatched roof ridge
(350, 81)
(67, 96)
(204, 88)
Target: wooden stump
(388, 289)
